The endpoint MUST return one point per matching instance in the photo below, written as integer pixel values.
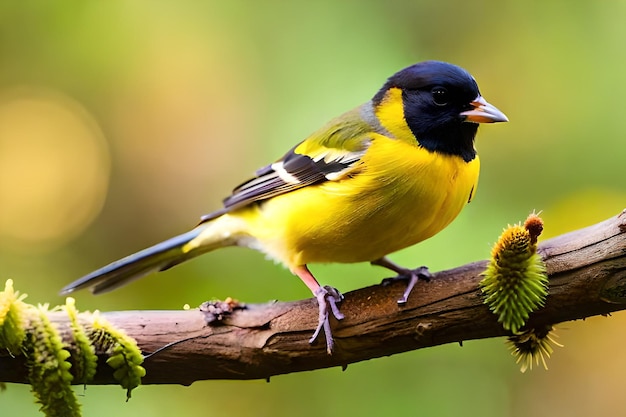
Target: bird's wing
(328, 155)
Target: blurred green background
(121, 122)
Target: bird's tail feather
(159, 257)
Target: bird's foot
(410, 275)
(327, 297)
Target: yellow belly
(402, 195)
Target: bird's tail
(204, 238)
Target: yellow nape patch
(390, 113)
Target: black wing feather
(292, 172)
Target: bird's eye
(440, 96)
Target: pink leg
(413, 275)
(326, 296)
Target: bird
(384, 176)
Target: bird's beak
(483, 112)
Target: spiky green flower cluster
(533, 345)
(124, 354)
(13, 312)
(83, 354)
(26, 329)
(48, 368)
(515, 283)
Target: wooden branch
(587, 270)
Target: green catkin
(515, 283)
(13, 313)
(83, 354)
(48, 368)
(27, 330)
(532, 346)
(124, 355)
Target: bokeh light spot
(54, 169)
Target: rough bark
(587, 271)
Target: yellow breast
(401, 195)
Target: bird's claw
(412, 275)
(327, 296)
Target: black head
(435, 96)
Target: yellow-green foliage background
(121, 122)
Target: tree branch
(587, 271)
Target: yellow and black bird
(384, 176)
